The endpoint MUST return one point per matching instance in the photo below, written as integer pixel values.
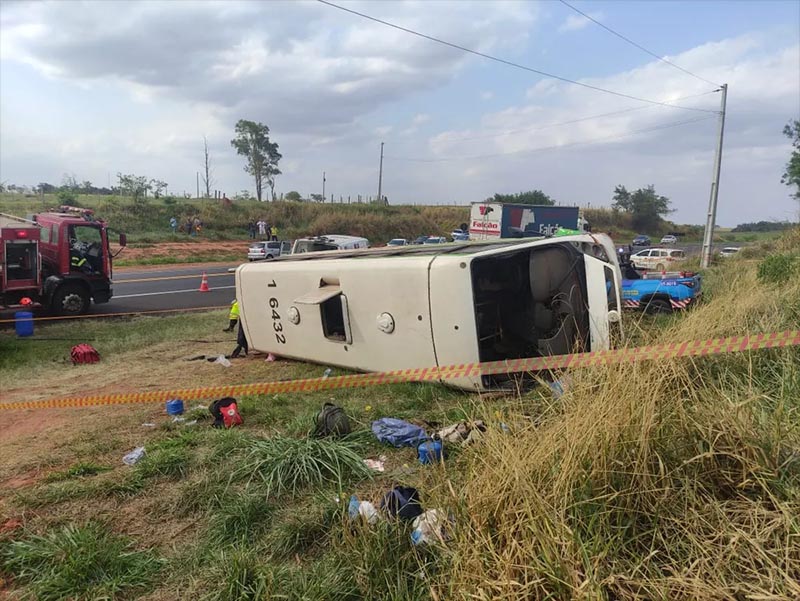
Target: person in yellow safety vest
(274, 233)
(233, 316)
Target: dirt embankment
(182, 252)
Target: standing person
(241, 343)
(274, 233)
(197, 225)
(188, 226)
(173, 224)
(233, 316)
(262, 227)
(251, 229)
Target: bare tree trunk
(258, 186)
(207, 179)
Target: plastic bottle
(327, 372)
(134, 456)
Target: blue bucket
(23, 322)
(174, 407)
(430, 451)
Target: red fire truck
(60, 260)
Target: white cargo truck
(436, 305)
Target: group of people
(262, 229)
(192, 227)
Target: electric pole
(380, 176)
(708, 237)
(198, 184)
(323, 186)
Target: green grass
(283, 465)
(50, 345)
(79, 562)
(79, 470)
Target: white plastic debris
(178, 418)
(134, 456)
(429, 527)
(379, 464)
(365, 509)
(148, 425)
(222, 361)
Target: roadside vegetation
(667, 479)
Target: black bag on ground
(402, 502)
(331, 421)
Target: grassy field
(675, 479)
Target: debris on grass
(134, 456)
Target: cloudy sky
(97, 88)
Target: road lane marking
(118, 296)
(169, 277)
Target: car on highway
(729, 251)
(669, 239)
(641, 240)
(260, 251)
(397, 242)
(420, 240)
(435, 240)
(459, 235)
(660, 259)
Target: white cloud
(487, 95)
(420, 119)
(576, 22)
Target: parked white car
(436, 240)
(259, 251)
(660, 259)
(328, 242)
(729, 251)
(669, 239)
(397, 242)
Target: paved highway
(169, 288)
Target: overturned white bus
(415, 307)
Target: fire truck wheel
(71, 299)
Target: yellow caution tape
(716, 346)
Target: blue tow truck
(660, 292)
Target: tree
(317, 198)
(208, 179)
(157, 186)
(135, 186)
(69, 182)
(86, 187)
(294, 195)
(252, 142)
(645, 206)
(791, 177)
(531, 197)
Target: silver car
(260, 251)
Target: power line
(632, 43)
(570, 122)
(554, 147)
(509, 63)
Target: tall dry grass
(675, 479)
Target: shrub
(283, 464)
(779, 268)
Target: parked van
(434, 305)
(328, 242)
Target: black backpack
(331, 421)
(402, 502)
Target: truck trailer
(415, 307)
(492, 220)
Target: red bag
(84, 353)
(230, 416)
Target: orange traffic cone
(204, 284)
